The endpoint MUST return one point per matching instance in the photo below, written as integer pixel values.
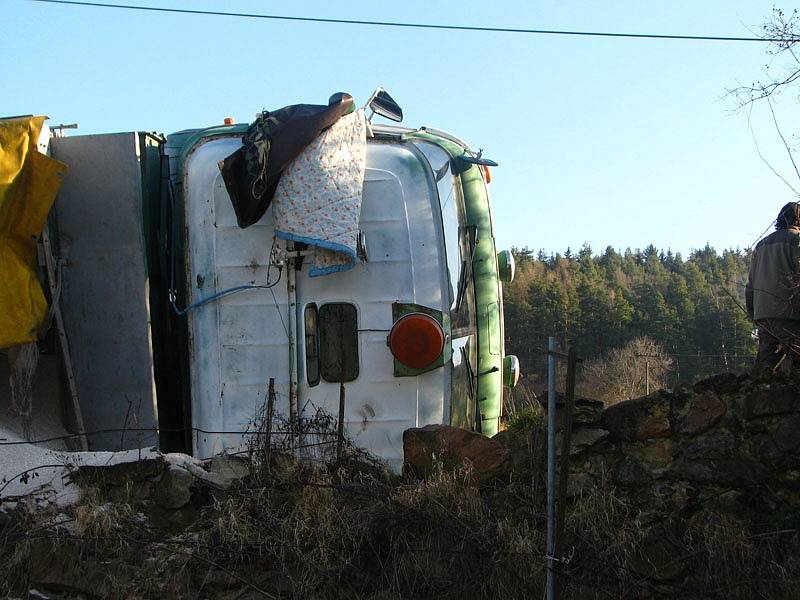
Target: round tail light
(416, 340)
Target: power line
(214, 13)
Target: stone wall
(729, 439)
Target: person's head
(789, 216)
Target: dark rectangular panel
(338, 342)
(105, 295)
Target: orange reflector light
(229, 121)
(487, 174)
(416, 340)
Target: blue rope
(172, 292)
(217, 296)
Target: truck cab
(428, 275)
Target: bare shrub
(624, 372)
(521, 408)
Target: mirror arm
(377, 91)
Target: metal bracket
(297, 253)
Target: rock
(219, 472)
(596, 465)
(587, 411)
(773, 400)
(766, 450)
(729, 500)
(790, 476)
(639, 419)
(120, 474)
(656, 559)
(724, 383)
(424, 447)
(579, 484)
(582, 439)
(630, 471)
(584, 412)
(174, 489)
(525, 450)
(716, 457)
(779, 443)
(720, 443)
(224, 470)
(787, 435)
(705, 410)
(702, 471)
(599, 465)
(655, 454)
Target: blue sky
(601, 141)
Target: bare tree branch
(761, 156)
(747, 95)
(783, 139)
(785, 30)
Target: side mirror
(384, 105)
(505, 266)
(510, 371)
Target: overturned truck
(334, 264)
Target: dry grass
(335, 530)
(522, 411)
(95, 517)
(707, 554)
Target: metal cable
(410, 25)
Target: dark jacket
(275, 139)
(773, 287)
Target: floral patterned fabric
(318, 199)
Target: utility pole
(340, 424)
(551, 467)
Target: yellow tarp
(29, 182)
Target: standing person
(773, 292)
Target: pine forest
(639, 319)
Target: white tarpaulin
(318, 198)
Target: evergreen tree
(691, 308)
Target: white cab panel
(240, 341)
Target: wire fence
(631, 371)
(156, 430)
(318, 437)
